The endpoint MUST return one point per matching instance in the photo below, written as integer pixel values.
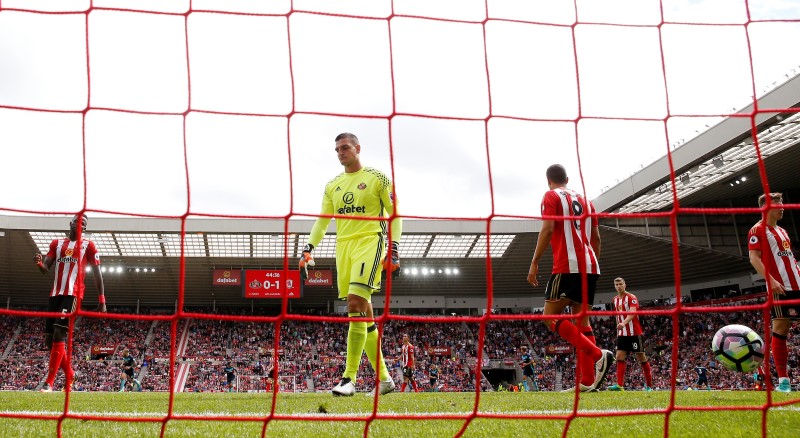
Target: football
(738, 348)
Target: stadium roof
(127, 244)
(708, 166)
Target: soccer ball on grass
(738, 348)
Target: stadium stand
(312, 353)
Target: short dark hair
(349, 136)
(557, 174)
(84, 220)
(774, 197)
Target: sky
(436, 91)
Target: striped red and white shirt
(776, 253)
(407, 355)
(627, 303)
(572, 248)
(68, 267)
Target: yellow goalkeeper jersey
(352, 196)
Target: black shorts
(527, 371)
(231, 377)
(128, 371)
(408, 372)
(433, 382)
(790, 311)
(701, 381)
(631, 344)
(570, 286)
(59, 304)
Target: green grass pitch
(599, 414)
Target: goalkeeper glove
(391, 264)
(306, 260)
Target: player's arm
(594, 237)
(773, 285)
(548, 225)
(100, 286)
(594, 240)
(317, 231)
(629, 317)
(389, 201)
(45, 263)
(94, 261)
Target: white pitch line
(794, 408)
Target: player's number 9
(577, 210)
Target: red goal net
(226, 111)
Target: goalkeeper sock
(373, 349)
(568, 331)
(586, 364)
(356, 338)
(56, 353)
(621, 365)
(779, 354)
(648, 373)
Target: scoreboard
(262, 283)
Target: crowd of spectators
(312, 354)
(696, 328)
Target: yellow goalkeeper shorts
(358, 266)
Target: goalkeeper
(358, 193)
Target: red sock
(621, 365)
(584, 371)
(403, 388)
(648, 373)
(414, 385)
(65, 365)
(586, 364)
(779, 354)
(568, 331)
(56, 353)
